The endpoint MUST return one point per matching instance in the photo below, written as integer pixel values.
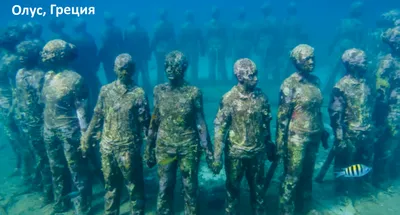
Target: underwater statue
(191, 43)
(164, 41)
(267, 44)
(216, 40)
(350, 111)
(242, 37)
(291, 34)
(242, 131)
(86, 63)
(29, 112)
(387, 112)
(56, 26)
(137, 44)
(33, 31)
(9, 65)
(374, 47)
(177, 136)
(389, 18)
(299, 130)
(122, 116)
(65, 97)
(111, 46)
(349, 34)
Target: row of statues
(44, 94)
(49, 114)
(270, 40)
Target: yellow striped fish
(356, 170)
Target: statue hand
(324, 140)
(210, 161)
(216, 167)
(84, 146)
(150, 159)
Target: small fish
(71, 195)
(353, 171)
(168, 160)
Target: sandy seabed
(16, 199)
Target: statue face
(174, 71)
(175, 65)
(246, 72)
(124, 74)
(308, 64)
(303, 58)
(124, 67)
(250, 79)
(392, 38)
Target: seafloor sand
(16, 199)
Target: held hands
(340, 143)
(324, 139)
(339, 135)
(150, 158)
(280, 155)
(216, 167)
(210, 160)
(84, 146)
(272, 152)
(212, 165)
